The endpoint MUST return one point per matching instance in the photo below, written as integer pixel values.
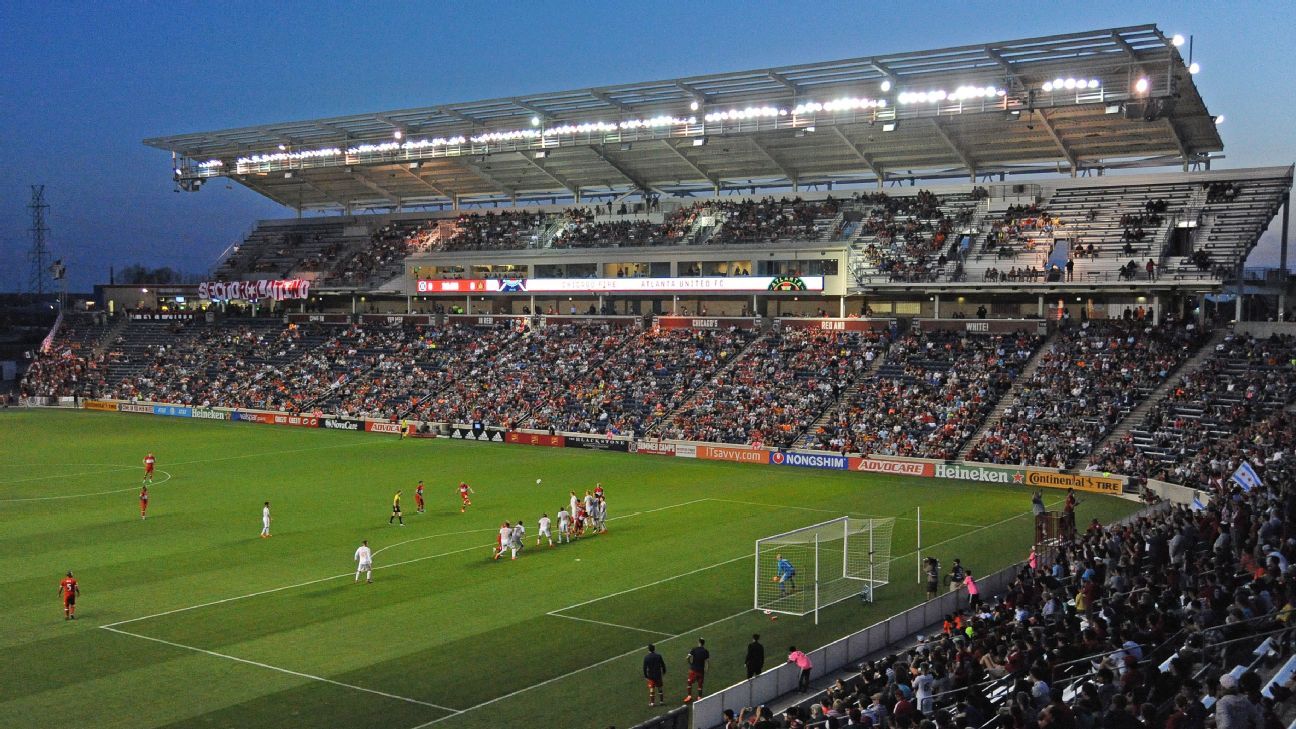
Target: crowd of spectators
(1085, 382)
(1020, 224)
(1222, 192)
(779, 387)
(909, 237)
(1197, 431)
(640, 383)
(929, 396)
(769, 219)
(387, 247)
(1150, 624)
(489, 231)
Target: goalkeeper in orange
(785, 575)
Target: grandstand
(963, 258)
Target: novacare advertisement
(985, 474)
(809, 460)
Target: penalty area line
(612, 625)
(288, 671)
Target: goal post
(800, 571)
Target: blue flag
(1246, 477)
(1197, 504)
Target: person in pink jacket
(802, 662)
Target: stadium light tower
(39, 253)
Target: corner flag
(1246, 477)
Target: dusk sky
(81, 86)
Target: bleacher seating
(1186, 436)
(1090, 377)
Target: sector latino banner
(278, 290)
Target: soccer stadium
(918, 390)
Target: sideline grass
(444, 635)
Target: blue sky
(81, 86)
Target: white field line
(606, 661)
(435, 536)
(290, 672)
(97, 493)
(928, 547)
(569, 674)
(846, 513)
(612, 625)
(651, 584)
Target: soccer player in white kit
(515, 543)
(505, 536)
(572, 503)
(543, 530)
(564, 526)
(365, 559)
(265, 520)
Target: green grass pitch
(249, 632)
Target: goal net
(800, 571)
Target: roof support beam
(885, 70)
(606, 99)
(1178, 140)
(958, 151)
(477, 170)
(458, 115)
(328, 196)
(777, 164)
(366, 182)
(784, 81)
(1051, 128)
(544, 115)
(565, 183)
(1008, 68)
(691, 91)
(860, 154)
(621, 170)
(422, 181)
(709, 177)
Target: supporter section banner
(463, 432)
(596, 442)
(277, 289)
(100, 405)
(319, 318)
(484, 320)
(1077, 481)
(163, 316)
(175, 411)
(616, 321)
(536, 439)
(987, 474)
(809, 460)
(736, 454)
(837, 325)
(335, 424)
(984, 326)
(894, 468)
(397, 319)
(702, 322)
(645, 285)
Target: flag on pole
(1246, 477)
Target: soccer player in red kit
(598, 490)
(69, 590)
(143, 501)
(418, 497)
(148, 468)
(464, 490)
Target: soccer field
(189, 619)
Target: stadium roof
(1097, 99)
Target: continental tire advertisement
(1079, 482)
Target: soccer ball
(537, 482)
(769, 612)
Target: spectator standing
(755, 661)
(654, 672)
(956, 576)
(802, 662)
(974, 592)
(1234, 710)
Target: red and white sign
(535, 439)
(703, 322)
(303, 421)
(679, 284)
(278, 290)
(653, 448)
(127, 407)
(897, 468)
(380, 427)
(837, 325)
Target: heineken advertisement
(987, 474)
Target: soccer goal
(800, 571)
